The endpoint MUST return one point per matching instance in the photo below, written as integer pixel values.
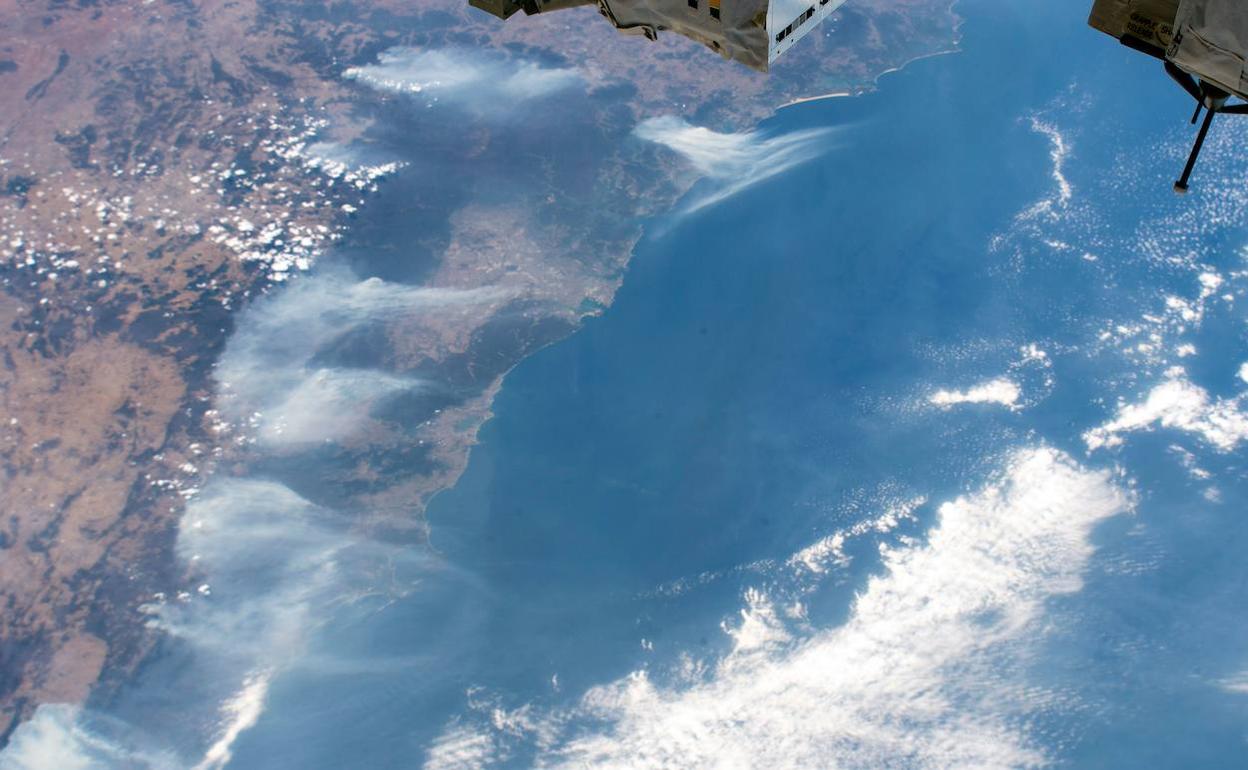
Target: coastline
(189, 440)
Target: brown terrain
(154, 176)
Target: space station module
(1203, 43)
(753, 32)
(1205, 38)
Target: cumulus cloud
(353, 164)
(477, 78)
(1179, 404)
(999, 391)
(928, 671)
(1059, 153)
(829, 551)
(735, 160)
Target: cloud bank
(928, 671)
(736, 161)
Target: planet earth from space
(386, 385)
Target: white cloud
(1179, 404)
(928, 671)
(1189, 462)
(1237, 683)
(1033, 353)
(999, 391)
(460, 748)
(239, 713)
(1059, 152)
(478, 78)
(349, 163)
(736, 160)
(829, 551)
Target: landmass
(163, 164)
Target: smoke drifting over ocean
(733, 161)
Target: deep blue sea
(926, 452)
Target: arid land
(157, 173)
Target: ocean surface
(924, 452)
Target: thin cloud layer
(476, 78)
(1237, 683)
(736, 160)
